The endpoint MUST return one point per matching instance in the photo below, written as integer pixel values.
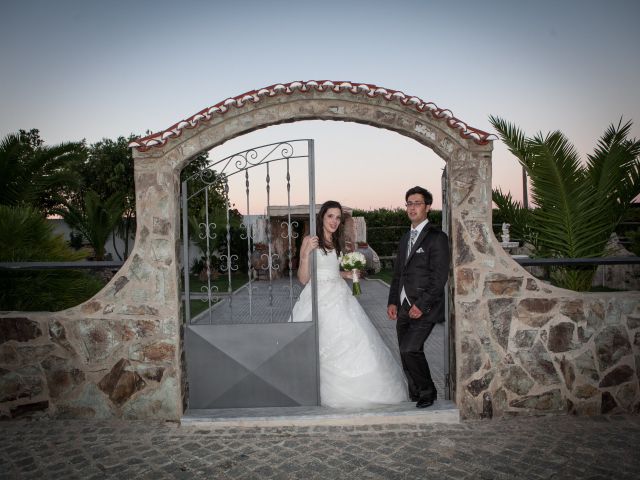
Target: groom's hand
(392, 312)
(415, 312)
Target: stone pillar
(155, 265)
(361, 229)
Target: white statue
(505, 232)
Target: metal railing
(557, 262)
(561, 262)
(82, 264)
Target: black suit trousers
(412, 333)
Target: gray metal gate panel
(223, 373)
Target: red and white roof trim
(157, 139)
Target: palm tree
(96, 220)
(577, 206)
(26, 236)
(33, 174)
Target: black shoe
(426, 401)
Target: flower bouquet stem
(355, 290)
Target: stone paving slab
(560, 447)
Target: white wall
(61, 228)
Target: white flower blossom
(353, 260)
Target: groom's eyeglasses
(413, 204)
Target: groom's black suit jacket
(423, 274)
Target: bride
(356, 367)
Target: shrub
(25, 236)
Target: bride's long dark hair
(336, 237)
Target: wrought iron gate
(244, 349)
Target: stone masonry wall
(525, 347)
(555, 352)
(116, 355)
(521, 346)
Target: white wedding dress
(356, 367)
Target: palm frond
(613, 169)
(514, 213)
(567, 222)
(559, 190)
(26, 236)
(96, 219)
(33, 174)
(513, 137)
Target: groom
(416, 295)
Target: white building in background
(257, 225)
(60, 227)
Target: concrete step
(442, 411)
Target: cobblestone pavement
(528, 448)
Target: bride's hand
(309, 243)
(348, 274)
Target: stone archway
(521, 346)
(453, 140)
(467, 151)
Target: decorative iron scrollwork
(208, 230)
(251, 158)
(245, 159)
(227, 262)
(209, 291)
(272, 263)
(208, 176)
(289, 232)
(243, 236)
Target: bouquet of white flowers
(353, 262)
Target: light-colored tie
(412, 240)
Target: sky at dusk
(94, 69)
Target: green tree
(96, 219)
(577, 206)
(33, 174)
(107, 170)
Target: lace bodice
(327, 265)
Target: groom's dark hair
(336, 237)
(426, 194)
